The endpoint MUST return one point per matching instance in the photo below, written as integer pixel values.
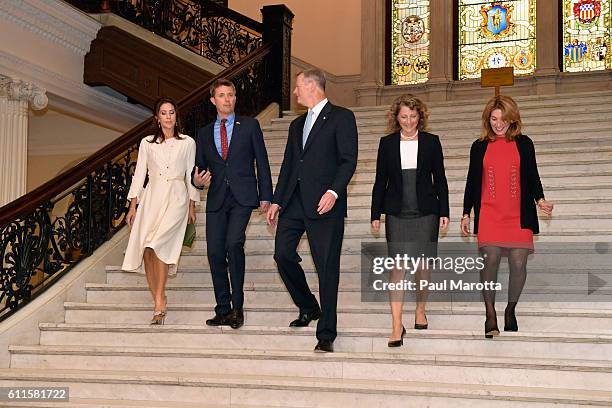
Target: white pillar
(15, 95)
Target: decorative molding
(54, 20)
(76, 98)
(18, 90)
(45, 149)
(338, 79)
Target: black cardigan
(531, 186)
(432, 192)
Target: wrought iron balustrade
(202, 26)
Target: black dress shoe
(397, 343)
(236, 318)
(419, 326)
(491, 328)
(304, 319)
(219, 320)
(510, 323)
(324, 346)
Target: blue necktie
(307, 127)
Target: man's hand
(376, 225)
(271, 214)
(201, 178)
(263, 206)
(326, 203)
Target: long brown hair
(409, 101)
(159, 134)
(510, 113)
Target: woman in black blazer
(503, 186)
(411, 189)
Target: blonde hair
(412, 102)
(510, 113)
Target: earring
(159, 125)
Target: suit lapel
(396, 154)
(300, 132)
(420, 153)
(319, 123)
(211, 142)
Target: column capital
(18, 90)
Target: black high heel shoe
(397, 343)
(510, 323)
(491, 328)
(418, 326)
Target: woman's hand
(443, 223)
(465, 226)
(129, 218)
(545, 206)
(376, 225)
(192, 213)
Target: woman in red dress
(503, 186)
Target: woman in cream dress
(164, 205)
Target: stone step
(567, 155)
(225, 390)
(468, 135)
(452, 145)
(201, 275)
(377, 115)
(365, 178)
(351, 254)
(458, 187)
(562, 207)
(526, 104)
(370, 315)
(576, 374)
(122, 403)
(276, 294)
(361, 227)
(369, 150)
(465, 120)
(587, 346)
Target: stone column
(15, 95)
(547, 46)
(373, 49)
(440, 49)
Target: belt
(168, 179)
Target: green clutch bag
(190, 234)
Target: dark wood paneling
(139, 70)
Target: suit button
(301, 161)
(299, 179)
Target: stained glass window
(494, 34)
(587, 32)
(409, 41)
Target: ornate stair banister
(40, 239)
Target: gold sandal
(158, 318)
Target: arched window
(409, 42)
(494, 34)
(587, 32)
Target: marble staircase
(109, 356)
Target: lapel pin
(237, 123)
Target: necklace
(409, 138)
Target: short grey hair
(314, 74)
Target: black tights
(517, 262)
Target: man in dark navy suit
(227, 152)
(320, 159)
